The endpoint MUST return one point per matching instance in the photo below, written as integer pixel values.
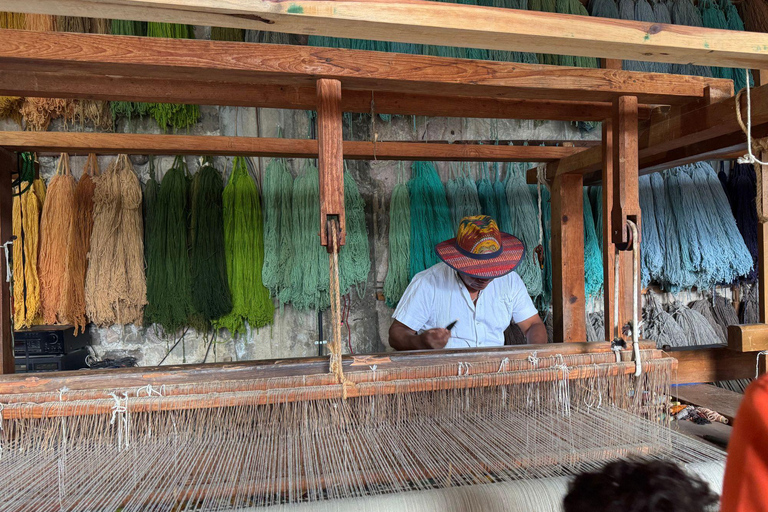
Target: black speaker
(50, 349)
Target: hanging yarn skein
(486, 195)
(524, 225)
(652, 254)
(115, 285)
(211, 298)
(170, 115)
(55, 225)
(278, 245)
(399, 244)
(26, 229)
(169, 292)
(354, 257)
(593, 256)
(741, 189)
(244, 248)
(73, 299)
(309, 273)
(429, 205)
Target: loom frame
(695, 120)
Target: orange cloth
(745, 488)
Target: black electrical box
(50, 349)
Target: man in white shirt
(473, 285)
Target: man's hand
(435, 338)
(402, 337)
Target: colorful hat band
(481, 256)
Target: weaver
(404, 430)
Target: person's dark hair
(638, 486)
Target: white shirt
(437, 296)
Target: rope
(760, 144)
(335, 345)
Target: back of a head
(638, 486)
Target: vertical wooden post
(609, 248)
(330, 157)
(8, 164)
(568, 302)
(626, 198)
(610, 63)
(762, 240)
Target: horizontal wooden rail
(706, 132)
(413, 21)
(300, 66)
(199, 92)
(276, 368)
(149, 144)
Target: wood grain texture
(157, 90)
(274, 368)
(8, 164)
(626, 200)
(414, 21)
(705, 132)
(609, 250)
(762, 269)
(713, 364)
(748, 337)
(25, 51)
(330, 159)
(723, 401)
(145, 144)
(568, 301)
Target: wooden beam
(330, 160)
(626, 199)
(748, 338)
(693, 135)
(413, 21)
(568, 301)
(712, 364)
(609, 249)
(301, 66)
(8, 164)
(156, 90)
(149, 144)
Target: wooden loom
(698, 122)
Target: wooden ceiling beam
(704, 133)
(119, 88)
(414, 21)
(150, 144)
(301, 66)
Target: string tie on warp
(563, 393)
(463, 369)
(149, 390)
(504, 364)
(8, 272)
(373, 370)
(757, 361)
(534, 360)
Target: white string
(533, 360)
(149, 390)
(503, 365)
(7, 261)
(541, 178)
(464, 369)
(749, 158)
(757, 362)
